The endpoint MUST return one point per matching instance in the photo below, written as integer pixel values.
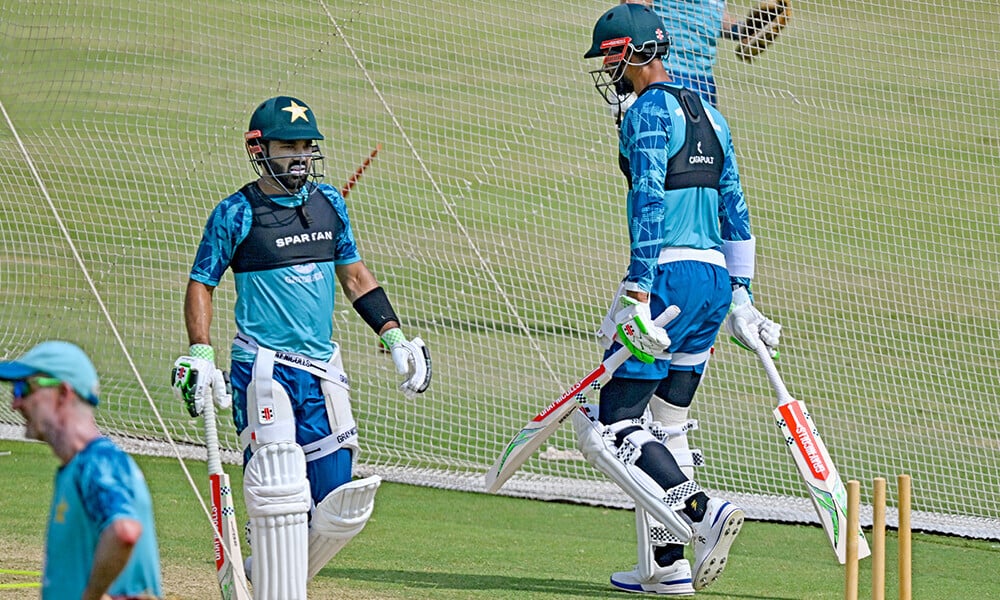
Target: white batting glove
(748, 327)
(196, 380)
(636, 330)
(412, 360)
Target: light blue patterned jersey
(652, 131)
(97, 486)
(694, 27)
(288, 308)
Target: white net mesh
(494, 217)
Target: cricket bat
(826, 490)
(228, 558)
(544, 424)
(344, 191)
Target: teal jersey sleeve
(98, 486)
(227, 226)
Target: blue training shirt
(97, 486)
(694, 27)
(288, 308)
(652, 131)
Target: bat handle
(773, 377)
(212, 439)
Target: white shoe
(712, 539)
(672, 580)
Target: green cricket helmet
(628, 34)
(287, 119)
(284, 118)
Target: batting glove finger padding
(636, 330)
(191, 379)
(412, 359)
(222, 389)
(748, 327)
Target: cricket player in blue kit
(288, 240)
(695, 27)
(691, 254)
(100, 541)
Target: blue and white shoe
(672, 580)
(713, 537)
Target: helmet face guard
(627, 35)
(290, 171)
(284, 120)
(610, 78)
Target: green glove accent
(637, 352)
(202, 351)
(392, 337)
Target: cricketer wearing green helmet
(628, 34)
(281, 143)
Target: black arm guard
(375, 309)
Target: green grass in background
(424, 543)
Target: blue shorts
(311, 423)
(703, 293)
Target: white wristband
(740, 257)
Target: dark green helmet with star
(630, 25)
(278, 126)
(283, 118)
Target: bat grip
(773, 377)
(619, 356)
(212, 439)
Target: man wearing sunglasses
(101, 540)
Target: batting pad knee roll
(618, 463)
(338, 518)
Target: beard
(292, 176)
(293, 182)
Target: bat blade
(228, 558)
(545, 423)
(820, 475)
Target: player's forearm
(198, 312)
(114, 548)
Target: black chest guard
(284, 236)
(698, 163)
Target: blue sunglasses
(22, 388)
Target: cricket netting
(494, 216)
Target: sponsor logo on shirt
(701, 158)
(307, 273)
(304, 238)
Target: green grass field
(426, 543)
(494, 215)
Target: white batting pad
(619, 465)
(277, 497)
(338, 518)
(671, 425)
(650, 533)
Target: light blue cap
(61, 360)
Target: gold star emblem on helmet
(298, 112)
